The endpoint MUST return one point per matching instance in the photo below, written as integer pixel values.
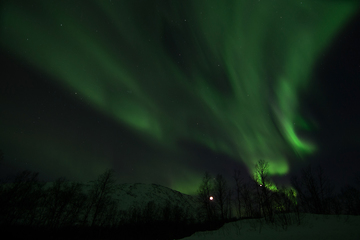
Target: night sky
(162, 91)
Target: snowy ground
(319, 227)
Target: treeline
(259, 197)
(62, 209)
(254, 197)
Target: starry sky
(162, 91)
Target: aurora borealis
(163, 91)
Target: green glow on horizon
(189, 183)
(231, 84)
(262, 172)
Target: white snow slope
(138, 195)
(317, 227)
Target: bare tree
(100, 196)
(263, 185)
(229, 204)
(247, 197)
(54, 203)
(325, 190)
(350, 198)
(238, 189)
(314, 189)
(204, 194)
(22, 200)
(300, 194)
(61, 206)
(75, 199)
(221, 195)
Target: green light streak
(237, 67)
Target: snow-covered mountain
(128, 197)
(138, 195)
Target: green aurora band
(224, 74)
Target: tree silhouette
(204, 193)
(22, 199)
(221, 194)
(99, 197)
(238, 188)
(263, 186)
(314, 190)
